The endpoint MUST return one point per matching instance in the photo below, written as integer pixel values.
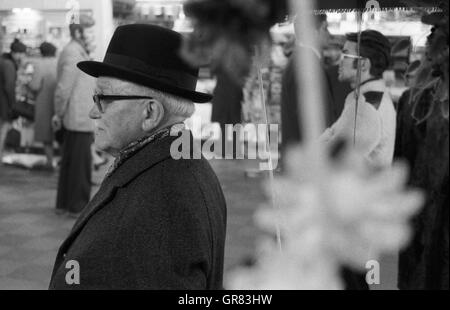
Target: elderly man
(156, 222)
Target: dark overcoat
(155, 223)
(227, 100)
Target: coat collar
(136, 146)
(151, 155)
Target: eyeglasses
(343, 56)
(99, 98)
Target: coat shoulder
(196, 178)
(185, 183)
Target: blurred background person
(411, 73)
(73, 100)
(423, 141)
(226, 104)
(291, 133)
(373, 135)
(409, 79)
(332, 52)
(339, 89)
(43, 84)
(99, 159)
(375, 112)
(9, 64)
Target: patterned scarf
(138, 145)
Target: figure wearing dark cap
(156, 222)
(72, 104)
(9, 64)
(373, 133)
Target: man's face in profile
(120, 122)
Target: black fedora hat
(148, 55)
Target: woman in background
(43, 84)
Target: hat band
(176, 78)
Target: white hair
(175, 105)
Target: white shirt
(375, 124)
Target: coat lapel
(146, 158)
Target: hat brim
(97, 69)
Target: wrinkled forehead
(350, 47)
(110, 85)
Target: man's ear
(153, 115)
(366, 65)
